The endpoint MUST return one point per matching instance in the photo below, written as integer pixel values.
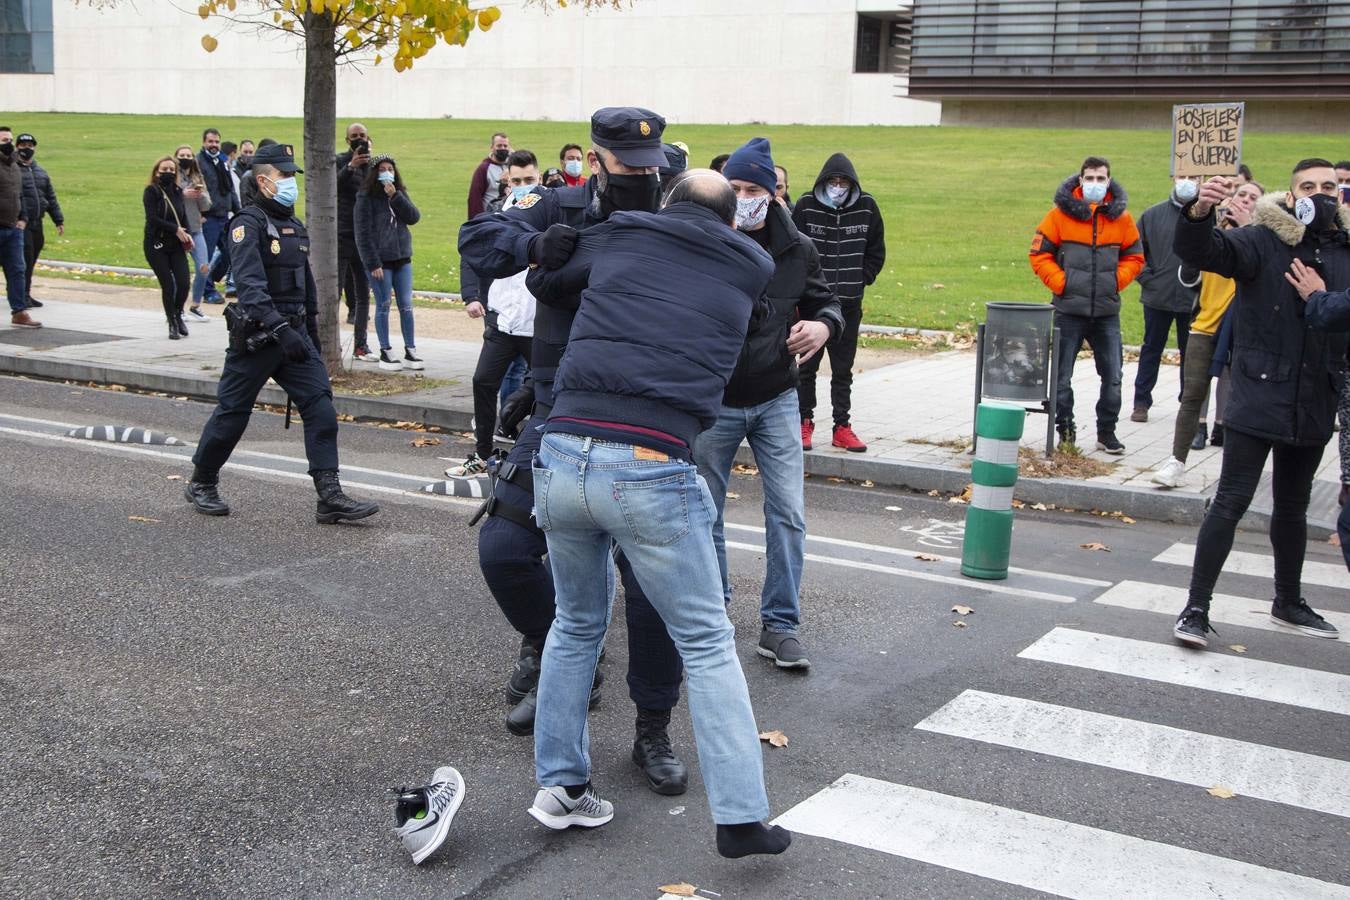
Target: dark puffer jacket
(667, 303)
(798, 291)
(1158, 283)
(381, 227)
(1086, 253)
(851, 240)
(1286, 375)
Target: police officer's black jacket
(269, 257)
(497, 245)
(798, 290)
(1286, 376)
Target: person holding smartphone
(381, 219)
(352, 168)
(196, 202)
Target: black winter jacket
(349, 183)
(1286, 375)
(38, 197)
(668, 300)
(1158, 283)
(381, 225)
(797, 291)
(219, 184)
(851, 240)
(162, 219)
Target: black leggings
(169, 262)
(1244, 456)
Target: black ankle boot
(173, 330)
(335, 506)
(655, 757)
(182, 327)
(202, 493)
(525, 676)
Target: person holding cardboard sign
(1285, 380)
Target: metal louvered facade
(1238, 49)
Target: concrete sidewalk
(915, 415)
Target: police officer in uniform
(625, 157)
(274, 333)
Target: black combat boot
(655, 757)
(525, 676)
(335, 506)
(202, 494)
(520, 718)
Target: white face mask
(1094, 191)
(837, 193)
(1186, 191)
(751, 211)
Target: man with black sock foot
(273, 334)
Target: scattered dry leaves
(775, 738)
(146, 519)
(1042, 506)
(962, 610)
(1032, 463)
(683, 889)
(1223, 793)
(1095, 545)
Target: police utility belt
(521, 477)
(250, 335)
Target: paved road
(220, 706)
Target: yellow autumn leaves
(410, 28)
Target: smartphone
(1345, 194)
(361, 148)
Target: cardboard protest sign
(1206, 139)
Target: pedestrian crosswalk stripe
(1159, 751)
(1239, 676)
(1225, 609)
(1032, 851)
(1261, 565)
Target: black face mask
(500, 155)
(7, 149)
(629, 193)
(25, 153)
(167, 179)
(1317, 212)
(185, 165)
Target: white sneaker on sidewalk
(1170, 474)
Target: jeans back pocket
(657, 511)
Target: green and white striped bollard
(987, 545)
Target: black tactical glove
(292, 344)
(554, 247)
(515, 410)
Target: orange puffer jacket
(1086, 253)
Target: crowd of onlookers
(27, 198)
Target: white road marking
(972, 585)
(1033, 851)
(1241, 677)
(1225, 609)
(1159, 751)
(898, 551)
(1260, 565)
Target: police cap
(631, 133)
(279, 156)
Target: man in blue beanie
(760, 402)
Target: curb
(1063, 493)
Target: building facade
(819, 62)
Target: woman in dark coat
(167, 241)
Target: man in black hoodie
(844, 222)
(760, 402)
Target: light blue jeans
(201, 256)
(775, 434)
(588, 492)
(399, 281)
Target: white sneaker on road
(552, 807)
(1170, 474)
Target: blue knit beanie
(754, 164)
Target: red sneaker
(845, 438)
(808, 429)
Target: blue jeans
(212, 228)
(11, 260)
(774, 431)
(1157, 324)
(588, 492)
(1103, 336)
(201, 256)
(513, 379)
(398, 280)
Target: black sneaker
(1191, 627)
(525, 676)
(1109, 444)
(784, 649)
(1300, 616)
(32, 303)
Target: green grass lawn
(960, 204)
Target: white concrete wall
(706, 61)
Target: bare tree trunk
(321, 176)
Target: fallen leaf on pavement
(927, 557)
(1039, 506)
(935, 493)
(775, 738)
(174, 477)
(146, 519)
(1095, 545)
(1237, 648)
(835, 480)
(1223, 793)
(744, 469)
(1334, 540)
(962, 610)
(957, 500)
(868, 484)
(425, 442)
(892, 509)
(117, 387)
(1127, 520)
(683, 889)
(1018, 504)
(732, 495)
(960, 624)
